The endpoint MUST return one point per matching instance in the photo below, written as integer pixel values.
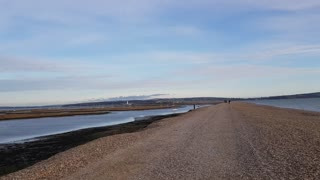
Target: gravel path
(237, 141)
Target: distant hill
(184, 101)
(296, 96)
(168, 101)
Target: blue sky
(64, 51)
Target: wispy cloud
(12, 64)
(75, 11)
(54, 83)
(255, 53)
(234, 72)
(123, 48)
(269, 53)
(289, 5)
(26, 65)
(72, 11)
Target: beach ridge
(226, 141)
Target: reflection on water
(309, 104)
(17, 130)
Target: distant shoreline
(43, 113)
(296, 104)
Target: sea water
(308, 104)
(21, 130)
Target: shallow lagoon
(22, 130)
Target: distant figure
(194, 106)
(229, 101)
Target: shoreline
(283, 108)
(44, 113)
(17, 156)
(295, 104)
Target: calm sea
(309, 104)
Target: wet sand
(236, 141)
(40, 113)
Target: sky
(66, 51)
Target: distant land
(186, 101)
(296, 96)
(167, 101)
